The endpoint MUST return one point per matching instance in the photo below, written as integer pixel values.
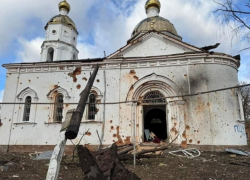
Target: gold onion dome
(61, 19)
(64, 5)
(153, 3)
(156, 23)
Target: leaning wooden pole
(73, 128)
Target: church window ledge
(83, 122)
(25, 123)
(55, 122)
(91, 122)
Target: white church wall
(155, 47)
(203, 117)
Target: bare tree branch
(244, 49)
(241, 12)
(237, 19)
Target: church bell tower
(61, 37)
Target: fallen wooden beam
(125, 150)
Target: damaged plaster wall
(208, 119)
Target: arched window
(50, 54)
(74, 56)
(154, 97)
(92, 107)
(58, 110)
(26, 114)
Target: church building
(154, 90)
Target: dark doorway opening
(155, 121)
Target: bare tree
(236, 17)
(245, 92)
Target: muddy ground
(209, 166)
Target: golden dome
(156, 23)
(61, 19)
(64, 5)
(154, 3)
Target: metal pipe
(104, 100)
(133, 109)
(18, 79)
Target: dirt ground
(209, 166)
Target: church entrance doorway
(155, 123)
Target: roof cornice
(191, 58)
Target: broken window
(92, 107)
(26, 115)
(50, 54)
(154, 97)
(58, 108)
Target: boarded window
(58, 108)
(154, 97)
(92, 107)
(26, 115)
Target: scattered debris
(4, 168)
(105, 165)
(16, 161)
(234, 151)
(34, 155)
(44, 155)
(233, 155)
(162, 164)
(189, 153)
(241, 163)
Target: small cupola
(61, 36)
(64, 7)
(153, 8)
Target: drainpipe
(133, 111)
(104, 96)
(13, 112)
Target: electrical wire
(140, 101)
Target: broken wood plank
(125, 150)
(124, 145)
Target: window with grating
(154, 97)
(58, 108)
(26, 115)
(92, 107)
